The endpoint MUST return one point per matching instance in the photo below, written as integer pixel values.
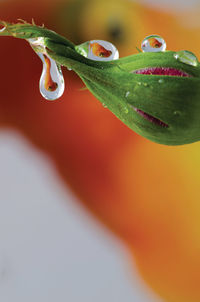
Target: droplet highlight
(98, 50)
(177, 113)
(2, 29)
(153, 43)
(52, 83)
(187, 57)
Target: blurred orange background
(146, 194)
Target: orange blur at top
(49, 84)
(100, 51)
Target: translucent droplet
(153, 43)
(160, 81)
(186, 57)
(127, 94)
(98, 50)
(52, 83)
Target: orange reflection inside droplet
(49, 84)
(153, 42)
(100, 51)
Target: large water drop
(186, 57)
(52, 83)
(98, 50)
(153, 43)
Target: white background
(51, 250)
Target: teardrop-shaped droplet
(52, 83)
(153, 43)
(186, 57)
(98, 50)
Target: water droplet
(139, 83)
(153, 43)
(177, 113)
(160, 81)
(186, 57)
(98, 50)
(51, 82)
(127, 94)
(145, 84)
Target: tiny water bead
(177, 113)
(52, 83)
(186, 57)
(98, 50)
(153, 43)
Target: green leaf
(162, 108)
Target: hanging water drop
(153, 43)
(98, 50)
(186, 57)
(51, 82)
